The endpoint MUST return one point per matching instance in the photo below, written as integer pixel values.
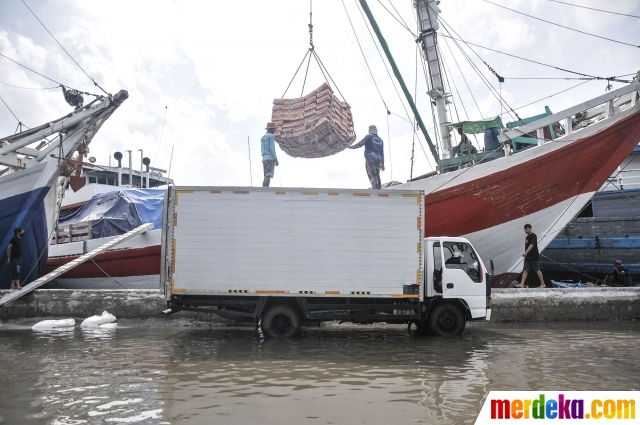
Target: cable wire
(364, 56)
(547, 97)
(50, 79)
(465, 80)
(404, 25)
(492, 89)
(486, 82)
(161, 134)
(531, 60)
(29, 88)
(593, 8)
(14, 115)
(562, 26)
(65, 50)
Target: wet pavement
(333, 374)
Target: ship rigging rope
(555, 94)
(486, 82)
(403, 23)
(50, 79)
(385, 65)
(161, 134)
(29, 88)
(562, 26)
(455, 107)
(107, 274)
(14, 115)
(382, 59)
(65, 50)
(465, 82)
(599, 10)
(492, 89)
(533, 61)
(363, 55)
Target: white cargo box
(283, 241)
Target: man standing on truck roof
(373, 154)
(269, 158)
(531, 257)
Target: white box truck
(283, 257)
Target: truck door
(463, 276)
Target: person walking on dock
(373, 154)
(14, 256)
(269, 158)
(531, 257)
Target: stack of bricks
(313, 126)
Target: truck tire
(446, 320)
(280, 321)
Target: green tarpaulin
(475, 127)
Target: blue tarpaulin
(116, 213)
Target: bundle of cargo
(313, 126)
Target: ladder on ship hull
(66, 267)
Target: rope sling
(316, 125)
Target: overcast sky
(217, 66)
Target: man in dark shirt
(531, 257)
(619, 276)
(14, 256)
(373, 154)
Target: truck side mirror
(491, 267)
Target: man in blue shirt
(373, 154)
(269, 159)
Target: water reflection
(373, 375)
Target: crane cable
(312, 52)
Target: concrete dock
(508, 305)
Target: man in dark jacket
(619, 276)
(14, 256)
(373, 154)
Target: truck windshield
(461, 256)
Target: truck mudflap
(488, 316)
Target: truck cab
(455, 279)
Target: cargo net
(313, 126)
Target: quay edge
(508, 305)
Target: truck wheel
(446, 320)
(280, 321)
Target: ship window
(102, 180)
(93, 179)
(587, 211)
(112, 182)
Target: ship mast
(427, 15)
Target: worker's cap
(271, 126)
(617, 263)
(457, 254)
(373, 129)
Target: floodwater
(331, 375)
